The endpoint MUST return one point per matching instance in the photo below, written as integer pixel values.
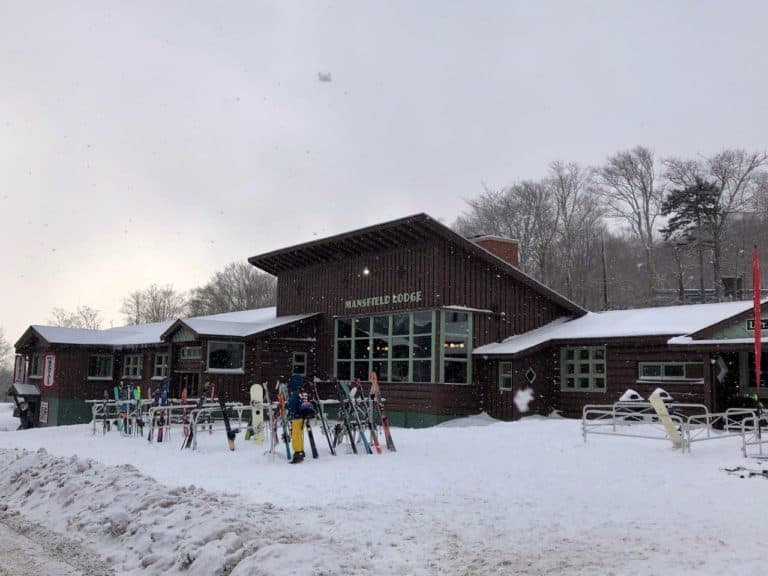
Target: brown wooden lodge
(450, 325)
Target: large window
(674, 371)
(582, 369)
(398, 347)
(36, 365)
(226, 356)
(747, 371)
(456, 347)
(161, 365)
(100, 367)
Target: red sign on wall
(49, 370)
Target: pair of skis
(360, 413)
(744, 472)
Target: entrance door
(190, 380)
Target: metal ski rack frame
(695, 422)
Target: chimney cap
(492, 237)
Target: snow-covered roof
(658, 321)
(245, 323)
(232, 324)
(19, 389)
(122, 336)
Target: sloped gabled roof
(136, 335)
(229, 324)
(237, 324)
(663, 321)
(406, 231)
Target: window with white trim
(191, 353)
(299, 363)
(132, 364)
(161, 365)
(670, 371)
(100, 367)
(226, 356)
(36, 365)
(505, 376)
(582, 369)
(456, 349)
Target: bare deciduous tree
(631, 191)
(6, 375)
(239, 286)
(524, 212)
(153, 304)
(737, 177)
(578, 217)
(82, 317)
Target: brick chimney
(504, 248)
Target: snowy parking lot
(472, 496)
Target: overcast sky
(147, 142)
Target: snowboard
(257, 412)
(669, 426)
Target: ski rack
(210, 409)
(114, 411)
(694, 421)
(175, 413)
(752, 435)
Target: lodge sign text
(396, 298)
(751, 324)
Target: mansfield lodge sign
(396, 298)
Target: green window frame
(399, 347)
(583, 369)
(455, 347)
(670, 371)
(505, 376)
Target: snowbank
(7, 420)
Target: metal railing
(694, 422)
(752, 434)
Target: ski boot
(297, 457)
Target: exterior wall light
(366, 271)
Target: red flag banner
(758, 342)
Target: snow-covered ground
(473, 496)
(7, 421)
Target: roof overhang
(29, 333)
(19, 389)
(407, 231)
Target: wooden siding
(622, 359)
(500, 404)
(446, 276)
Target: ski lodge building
(450, 325)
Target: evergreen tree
(693, 212)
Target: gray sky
(150, 142)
